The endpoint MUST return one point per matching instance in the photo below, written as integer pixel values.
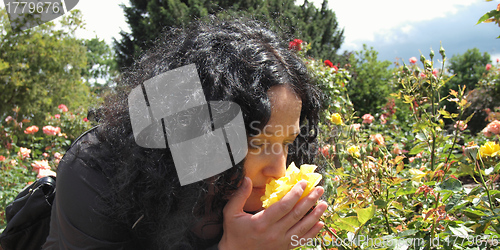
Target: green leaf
(365, 214)
(417, 148)
(473, 214)
(405, 191)
(347, 223)
(461, 231)
(488, 16)
(407, 233)
(451, 184)
(397, 205)
(380, 203)
(444, 113)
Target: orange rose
(378, 138)
(31, 130)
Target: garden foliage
(406, 170)
(410, 181)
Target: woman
(114, 194)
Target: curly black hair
(237, 60)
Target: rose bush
(413, 170)
(27, 153)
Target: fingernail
(303, 185)
(319, 191)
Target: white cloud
(103, 19)
(363, 19)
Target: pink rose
(413, 60)
(461, 125)
(383, 119)
(325, 150)
(63, 108)
(355, 126)
(396, 150)
(2, 158)
(58, 155)
(57, 116)
(492, 128)
(367, 118)
(38, 165)
(50, 130)
(45, 155)
(85, 119)
(9, 118)
(435, 72)
(45, 172)
(24, 152)
(488, 66)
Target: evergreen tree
(147, 19)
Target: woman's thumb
(239, 198)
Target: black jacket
(80, 217)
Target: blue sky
(402, 30)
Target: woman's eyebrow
(280, 133)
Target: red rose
(328, 63)
(295, 44)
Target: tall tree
(41, 68)
(147, 18)
(467, 68)
(370, 83)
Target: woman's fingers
(281, 208)
(238, 199)
(302, 207)
(297, 240)
(308, 227)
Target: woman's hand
(275, 227)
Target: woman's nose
(276, 162)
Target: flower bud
(422, 58)
(441, 51)
(428, 65)
(431, 55)
(406, 70)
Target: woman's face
(267, 151)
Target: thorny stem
(385, 214)
(337, 237)
(433, 133)
(484, 184)
(456, 133)
(434, 221)
(485, 187)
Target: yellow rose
(336, 119)
(490, 149)
(354, 151)
(276, 189)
